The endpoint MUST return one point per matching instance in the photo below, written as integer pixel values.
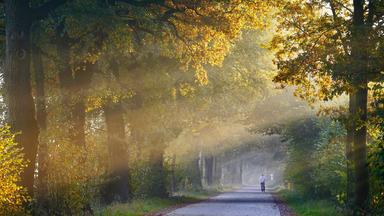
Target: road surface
(247, 201)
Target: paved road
(248, 201)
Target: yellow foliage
(12, 196)
(204, 32)
(73, 176)
(186, 89)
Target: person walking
(262, 182)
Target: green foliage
(329, 161)
(301, 139)
(148, 180)
(188, 176)
(13, 197)
(308, 207)
(74, 178)
(176, 67)
(317, 164)
(376, 149)
(138, 207)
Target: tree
(41, 117)
(326, 53)
(117, 148)
(19, 18)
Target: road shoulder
(283, 207)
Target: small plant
(12, 197)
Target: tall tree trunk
(118, 155)
(41, 112)
(360, 82)
(196, 173)
(21, 107)
(233, 172)
(202, 167)
(158, 186)
(217, 172)
(360, 150)
(173, 175)
(78, 121)
(351, 127)
(208, 164)
(241, 171)
(73, 87)
(41, 116)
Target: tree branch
(343, 6)
(371, 13)
(339, 34)
(142, 3)
(44, 10)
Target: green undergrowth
(308, 207)
(139, 207)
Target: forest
(131, 107)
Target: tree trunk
(360, 81)
(118, 155)
(360, 151)
(21, 108)
(41, 112)
(196, 174)
(208, 164)
(241, 171)
(217, 172)
(351, 127)
(73, 87)
(158, 186)
(41, 116)
(173, 175)
(78, 122)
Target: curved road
(247, 201)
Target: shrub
(74, 178)
(12, 197)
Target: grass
(308, 207)
(139, 207)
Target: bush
(74, 178)
(376, 163)
(12, 197)
(316, 158)
(330, 176)
(308, 207)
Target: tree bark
(173, 175)
(360, 151)
(241, 171)
(158, 184)
(21, 107)
(217, 172)
(360, 82)
(197, 174)
(208, 163)
(41, 116)
(73, 87)
(118, 155)
(351, 127)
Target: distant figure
(262, 182)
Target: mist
(182, 108)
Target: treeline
(317, 164)
(332, 48)
(94, 91)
